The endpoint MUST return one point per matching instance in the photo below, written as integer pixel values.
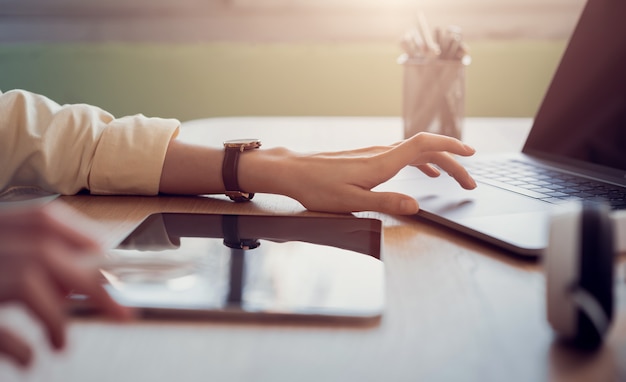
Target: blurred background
(190, 59)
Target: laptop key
(558, 194)
(555, 200)
(519, 190)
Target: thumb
(392, 203)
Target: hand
(38, 267)
(330, 182)
(342, 181)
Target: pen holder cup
(433, 96)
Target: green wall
(506, 78)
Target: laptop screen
(582, 120)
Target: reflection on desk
(245, 267)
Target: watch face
(246, 142)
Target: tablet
(250, 266)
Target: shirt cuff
(130, 154)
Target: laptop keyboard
(544, 184)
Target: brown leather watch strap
(230, 165)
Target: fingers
(73, 277)
(15, 347)
(38, 261)
(425, 142)
(414, 149)
(429, 170)
(24, 278)
(36, 282)
(418, 143)
(450, 165)
(423, 149)
(54, 220)
(44, 302)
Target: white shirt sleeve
(69, 148)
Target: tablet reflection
(210, 263)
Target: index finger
(407, 152)
(425, 142)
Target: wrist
(233, 150)
(266, 171)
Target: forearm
(193, 169)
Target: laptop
(576, 148)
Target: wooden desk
(457, 309)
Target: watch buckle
(239, 196)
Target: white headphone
(579, 261)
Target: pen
(432, 48)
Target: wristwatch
(230, 229)
(232, 150)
